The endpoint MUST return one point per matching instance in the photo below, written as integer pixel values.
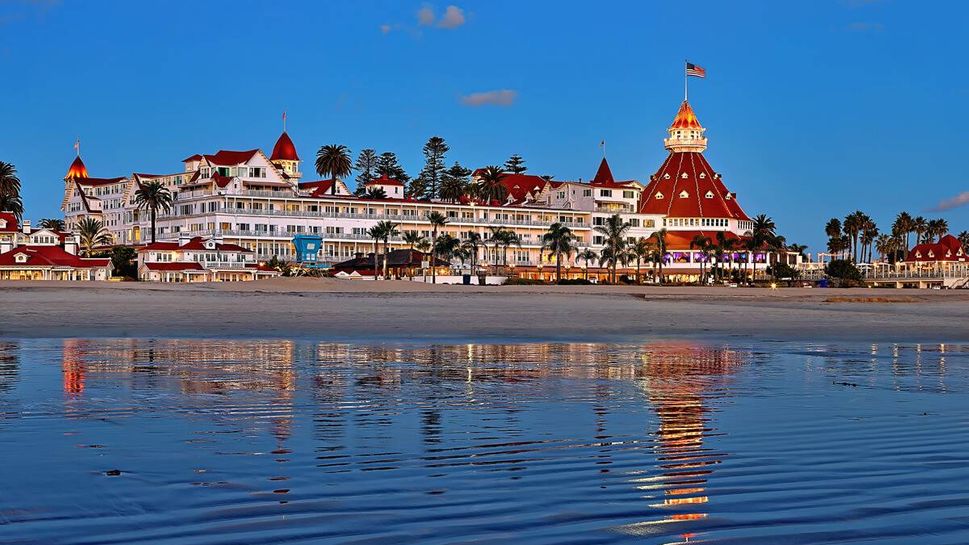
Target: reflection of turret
(72, 367)
(678, 379)
(9, 362)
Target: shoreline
(401, 311)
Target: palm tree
(704, 244)
(437, 220)
(10, 200)
(798, 249)
(558, 240)
(497, 236)
(964, 239)
(377, 234)
(471, 244)
(937, 229)
(508, 239)
(641, 249)
(886, 246)
(661, 249)
(54, 224)
(154, 196)
(920, 225)
(489, 187)
(388, 230)
(903, 226)
(333, 161)
(446, 246)
(92, 233)
(413, 239)
(588, 255)
(614, 234)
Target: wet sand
(402, 311)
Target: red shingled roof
(284, 150)
(12, 223)
(680, 240)
(194, 243)
(706, 195)
(45, 256)
(384, 180)
(604, 174)
(947, 249)
(195, 157)
(520, 186)
(94, 182)
(230, 158)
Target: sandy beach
(402, 311)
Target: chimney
(26, 227)
(5, 246)
(71, 242)
(183, 239)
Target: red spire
(685, 118)
(604, 174)
(284, 150)
(77, 170)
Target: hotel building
(259, 203)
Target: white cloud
(453, 17)
(961, 199)
(425, 15)
(501, 97)
(386, 28)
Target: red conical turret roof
(685, 118)
(284, 150)
(77, 170)
(604, 174)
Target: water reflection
(335, 442)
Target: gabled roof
(522, 186)
(947, 249)
(685, 186)
(10, 219)
(49, 256)
(284, 150)
(77, 169)
(94, 182)
(396, 258)
(231, 158)
(384, 180)
(685, 118)
(194, 243)
(190, 158)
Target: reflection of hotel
(260, 202)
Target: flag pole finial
(77, 146)
(284, 120)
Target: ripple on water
(218, 441)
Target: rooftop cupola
(285, 157)
(686, 133)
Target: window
(629, 194)
(597, 240)
(634, 222)
(586, 192)
(605, 192)
(709, 195)
(659, 196)
(598, 220)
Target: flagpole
(686, 79)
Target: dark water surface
(189, 441)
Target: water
(189, 441)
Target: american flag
(695, 71)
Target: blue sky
(813, 109)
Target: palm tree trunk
(376, 250)
(434, 259)
(386, 253)
(152, 225)
(558, 267)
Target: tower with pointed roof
(284, 156)
(686, 133)
(76, 170)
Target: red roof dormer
(284, 150)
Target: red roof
(45, 256)
(705, 194)
(321, 188)
(604, 174)
(947, 249)
(229, 158)
(77, 169)
(11, 220)
(384, 180)
(685, 118)
(284, 150)
(520, 186)
(176, 266)
(195, 157)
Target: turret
(284, 156)
(686, 133)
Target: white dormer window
(727, 196)
(20, 258)
(666, 176)
(659, 196)
(931, 253)
(703, 175)
(684, 175)
(3, 224)
(209, 245)
(709, 195)
(684, 194)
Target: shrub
(843, 270)
(574, 282)
(516, 281)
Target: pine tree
(367, 167)
(388, 166)
(454, 183)
(434, 153)
(417, 189)
(515, 164)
